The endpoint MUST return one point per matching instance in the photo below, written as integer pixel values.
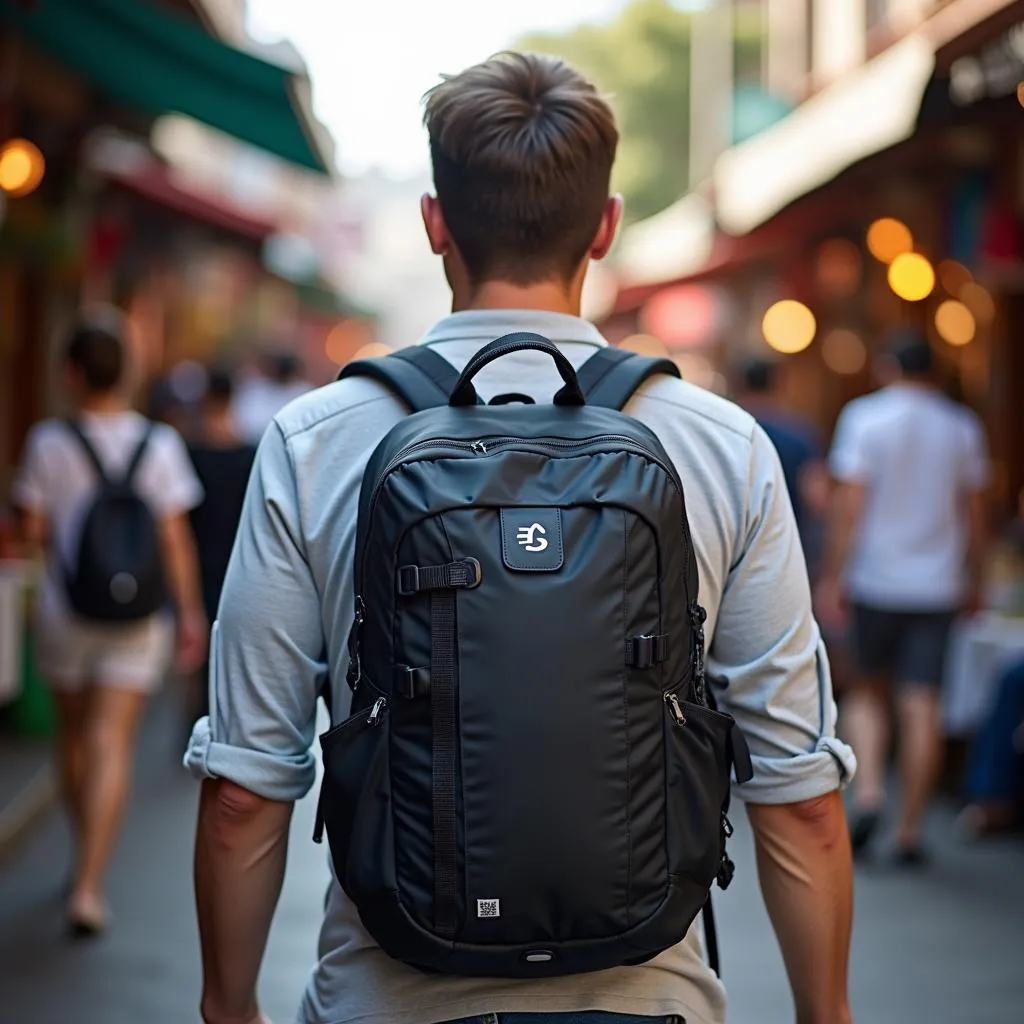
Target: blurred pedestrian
(995, 771)
(796, 439)
(906, 553)
(257, 400)
(222, 461)
(104, 496)
(522, 149)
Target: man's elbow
(823, 819)
(233, 812)
(819, 822)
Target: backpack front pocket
(351, 751)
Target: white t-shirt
(919, 455)
(258, 401)
(57, 480)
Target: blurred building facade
(892, 194)
(198, 215)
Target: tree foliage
(642, 60)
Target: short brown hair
(522, 148)
(97, 352)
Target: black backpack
(118, 573)
(531, 782)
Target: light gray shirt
(287, 605)
(918, 455)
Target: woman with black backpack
(104, 497)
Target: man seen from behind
(522, 149)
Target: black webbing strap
(414, 579)
(711, 937)
(610, 376)
(445, 738)
(90, 452)
(418, 375)
(94, 459)
(136, 459)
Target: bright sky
(371, 60)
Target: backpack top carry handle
(422, 379)
(464, 394)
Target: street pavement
(944, 946)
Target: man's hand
(192, 638)
(214, 1018)
(831, 606)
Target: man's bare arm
(806, 873)
(847, 509)
(241, 849)
(977, 545)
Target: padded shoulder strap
(90, 452)
(418, 375)
(610, 376)
(140, 450)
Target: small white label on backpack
(488, 908)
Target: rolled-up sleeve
(267, 656)
(767, 656)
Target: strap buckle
(648, 650)
(408, 580)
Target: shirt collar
(483, 325)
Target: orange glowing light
(889, 238)
(22, 167)
(955, 323)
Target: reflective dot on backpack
(123, 587)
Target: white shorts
(73, 654)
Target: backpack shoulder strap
(140, 450)
(418, 375)
(610, 376)
(76, 429)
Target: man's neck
(548, 297)
(103, 405)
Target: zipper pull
(354, 666)
(675, 708)
(479, 447)
(377, 710)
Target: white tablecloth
(980, 650)
(13, 580)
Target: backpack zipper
(493, 445)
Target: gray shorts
(906, 646)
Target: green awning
(146, 58)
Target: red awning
(154, 182)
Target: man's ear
(433, 223)
(611, 217)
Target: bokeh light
(373, 350)
(346, 338)
(979, 301)
(683, 316)
(843, 351)
(644, 344)
(789, 326)
(911, 277)
(839, 267)
(954, 277)
(888, 238)
(955, 323)
(22, 167)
